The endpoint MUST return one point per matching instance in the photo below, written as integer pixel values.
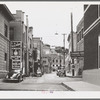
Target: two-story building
(5, 18)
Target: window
(77, 37)
(11, 33)
(80, 36)
(30, 46)
(56, 60)
(82, 33)
(6, 30)
(53, 60)
(44, 62)
(5, 57)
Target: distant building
(30, 50)
(56, 60)
(69, 59)
(38, 51)
(46, 59)
(5, 18)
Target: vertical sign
(16, 54)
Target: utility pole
(40, 55)
(72, 36)
(64, 50)
(27, 54)
(40, 50)
(73, 67)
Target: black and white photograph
(49, 47)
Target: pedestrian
(35, 68)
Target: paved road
(48, 82)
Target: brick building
(18, 34)
(91, 68)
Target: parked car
(14, 75)
(58, 72)
(61, 72)
(39, 73)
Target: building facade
(91, 68)
(5, 18)
(46, 59)
(30, 51)
(21, 34)
(38, 52)
(71, 57)
(18, 36)
(80, 46)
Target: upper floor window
(6, 30)
(56, 60)
(80, 35)
(5, 56)
(11, 33)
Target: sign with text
(77, 54)
(16, 54)
(16, 44)
(16, 57)
(16, 64)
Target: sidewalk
(81, 86)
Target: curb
(69, 88)
(74, 76)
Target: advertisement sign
(16, 54)
(16, 44)
(77, 54)
(16, 64)
(16, 57)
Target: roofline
(7, 11)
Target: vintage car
(39, 73)
(61, 72)
(14, 75)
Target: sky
(48, 18)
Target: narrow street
(48, 82)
